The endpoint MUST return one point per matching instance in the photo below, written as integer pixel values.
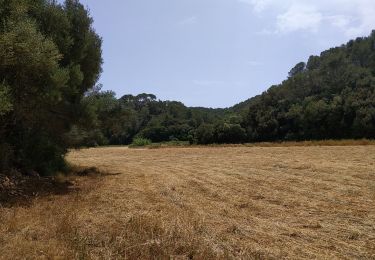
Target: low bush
(139, 142)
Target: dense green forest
(332, 96)
(50, 61)
(119, 121)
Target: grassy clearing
(218, 202)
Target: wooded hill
(332, 96)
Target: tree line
(119, 121)
(50, 61)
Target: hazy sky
(216, 53)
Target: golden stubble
(205, 203)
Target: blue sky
(216, 53)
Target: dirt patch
(17, 189)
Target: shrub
(139, 142)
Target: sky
(216, 53)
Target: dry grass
(345, 142)
(328, 142)
(205, 203)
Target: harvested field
(313, 202)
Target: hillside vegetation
(332, 96)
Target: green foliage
(49, 57)
(299, 68)
(230, 133)
(331, 97)
(139, 142)
(120, 120)
(5, 103)
(205, 134)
